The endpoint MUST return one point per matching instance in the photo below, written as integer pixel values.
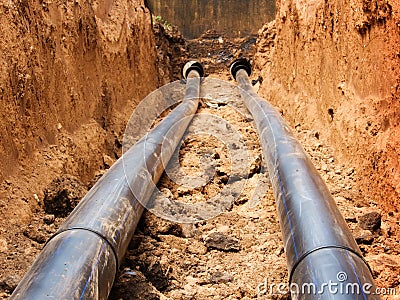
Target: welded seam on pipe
(92, 231)
(301, 258)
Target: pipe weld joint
(101, 236)
(326, 247)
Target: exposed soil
(70, 75)
(232, 254)
(69, 142)
(335, 67)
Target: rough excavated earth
(335, 66)
(234, 255)
(227, 256)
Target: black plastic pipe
(324, 261)
(81, 260)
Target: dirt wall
(71, 73)
(333, 66)
(64, 63)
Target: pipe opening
(192, 66)
(239, 64)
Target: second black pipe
(324, 260)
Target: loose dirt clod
(49, 219)
(220, 277)
(220, 241)
(370, 221)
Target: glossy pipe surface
(81, 260)
(320, 250)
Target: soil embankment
(335, 66)
(70, 75)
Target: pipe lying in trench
(323, 258)
(81, 260)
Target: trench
(166, 260)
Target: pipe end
(192, 66)
(241, 63)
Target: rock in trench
(221, 241)
(220, 277)
(370, 221)
(364, 237)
